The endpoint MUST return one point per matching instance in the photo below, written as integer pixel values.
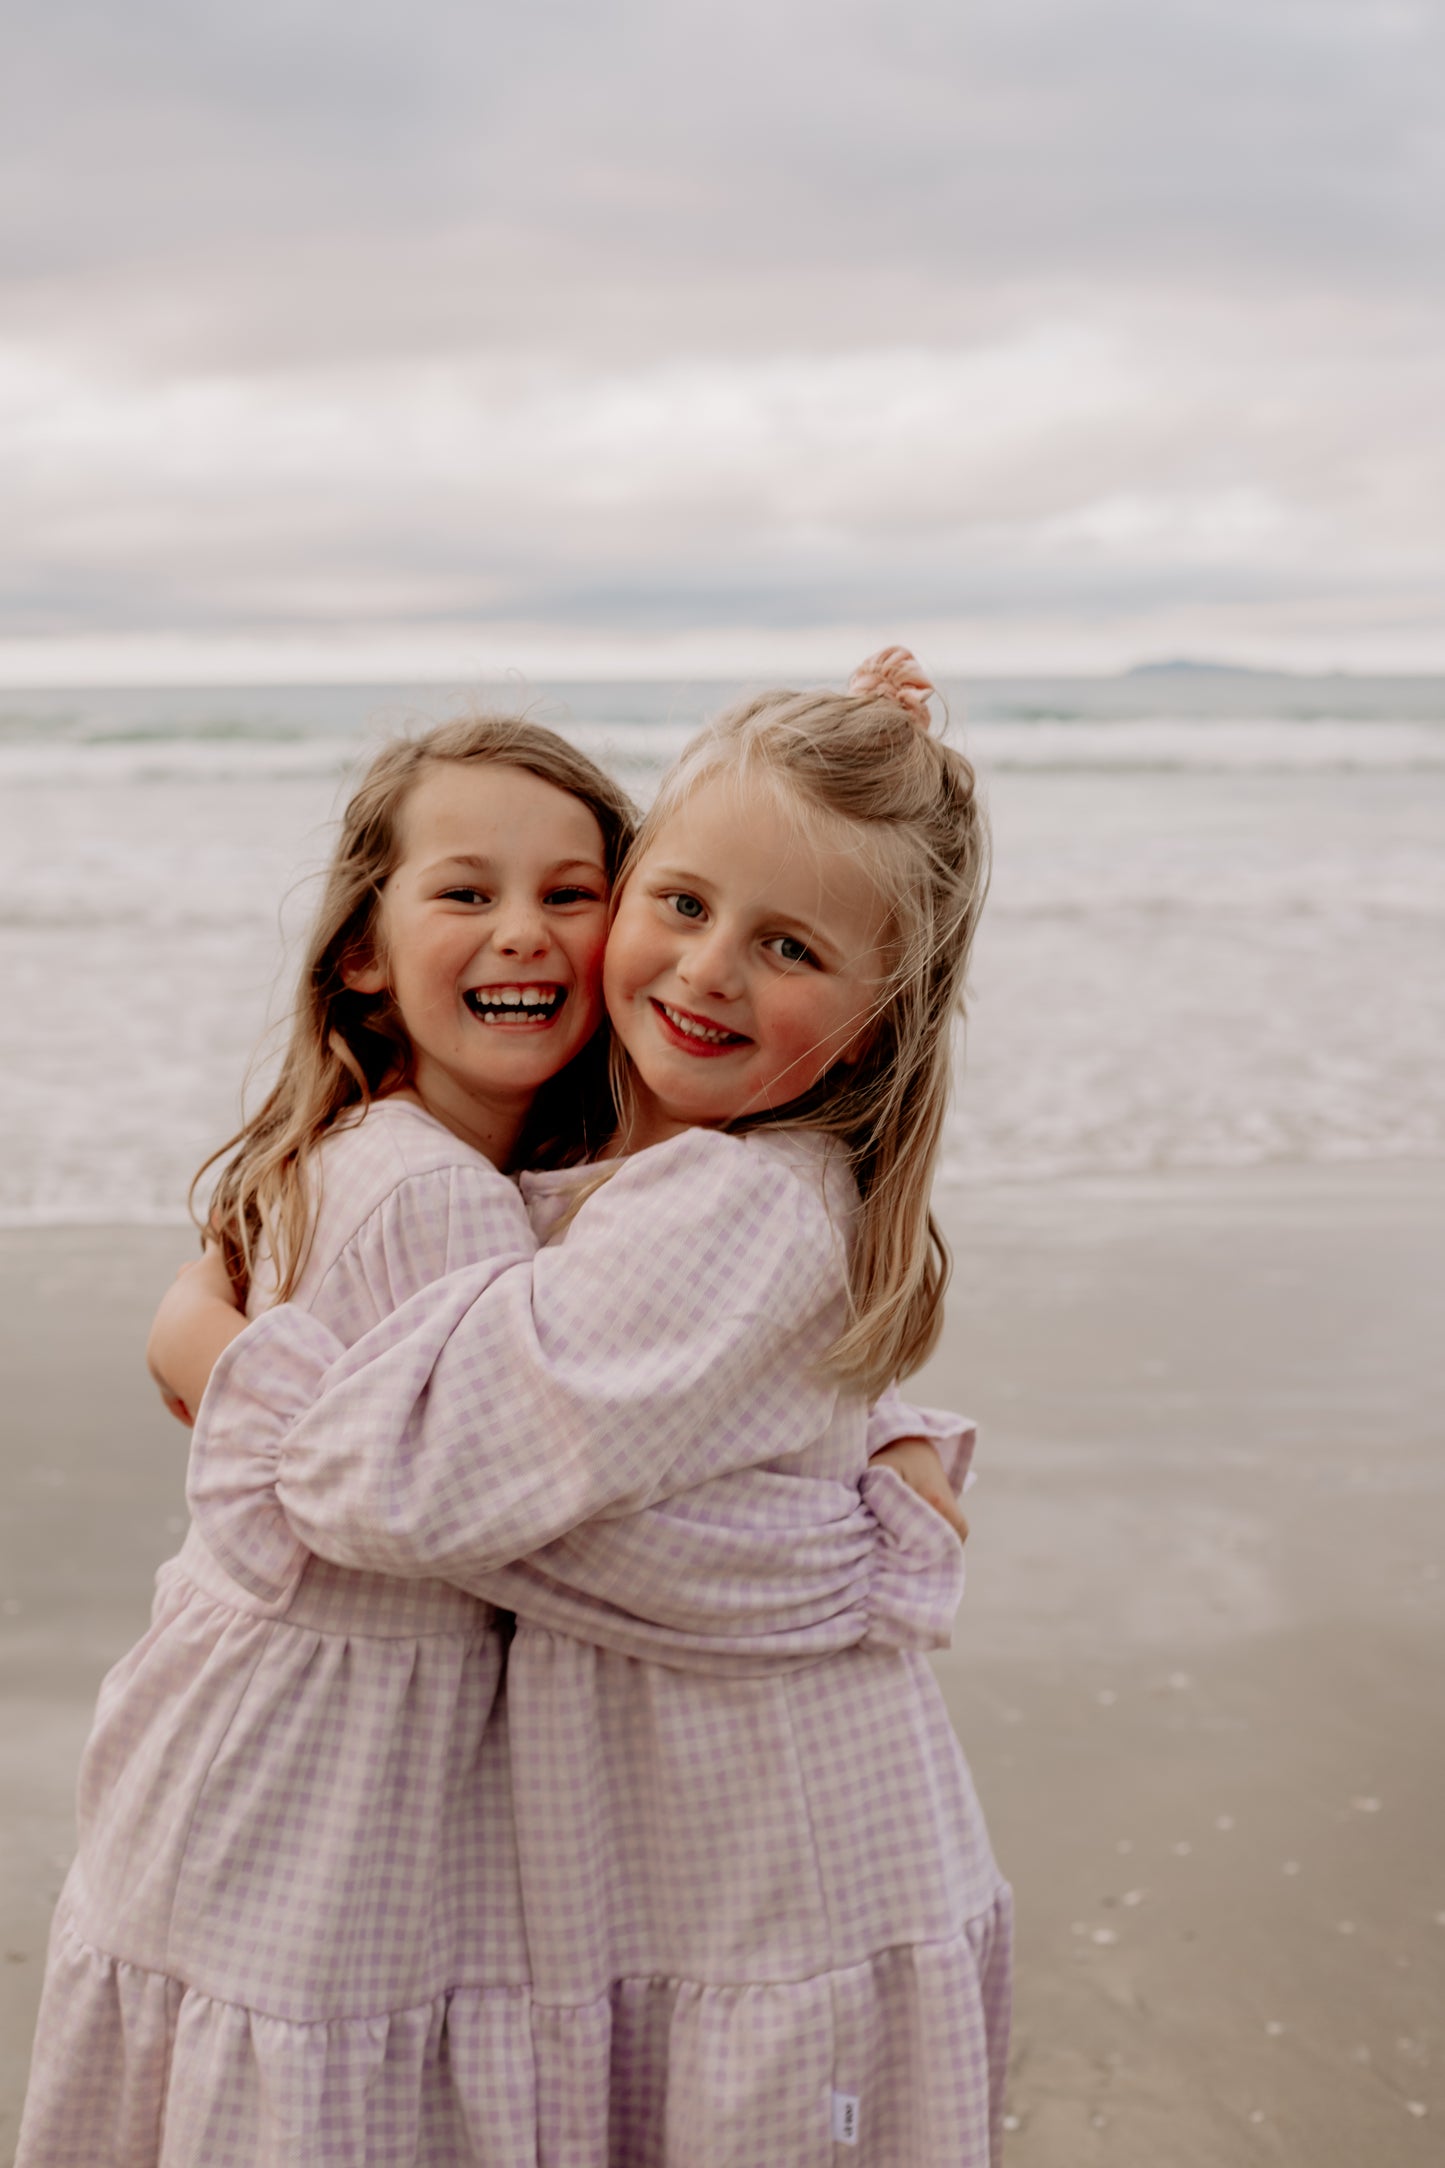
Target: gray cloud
(668, 314)
(499, 165)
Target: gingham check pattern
(300, 1846)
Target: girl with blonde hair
(762, 1916)
(295, 1930)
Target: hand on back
(917, 1461)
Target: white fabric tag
(845, 2118)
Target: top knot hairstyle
(867, 764)
(895, 674)
(347, 1048)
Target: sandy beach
(1197, 1670)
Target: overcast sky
(656, 337)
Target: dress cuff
(917, 1581)
(266, 1379)
(952, 1436)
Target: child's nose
(520, 931)
(711, 966)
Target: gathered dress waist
(331, 1599)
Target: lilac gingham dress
(294, 1930)
(761, 1912)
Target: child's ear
(364, 975)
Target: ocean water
(1216, 931)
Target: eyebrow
(474, 864)
(680, 874)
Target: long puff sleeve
(430, 1221)
(391, 1457)
(754, 1570)
(673, 1336)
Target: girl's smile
(694, 1034)
(745, 960)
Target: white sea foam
(82, 764)
(644, 749)
(1257, 744)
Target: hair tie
(895, 674)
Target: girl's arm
(740, 1574)
(196, 1322)
(199, 1317)
(757, 1568)
(676, 1334)
(433, 1220)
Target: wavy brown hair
(908, 805)
(347, 1048)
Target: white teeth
(696, 1031)
(492, 1002)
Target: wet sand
(1198, 1668)
(1197, 1671)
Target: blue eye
(791, 950)
(686, 906)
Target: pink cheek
(795, 1053)
(624, 968)
(614, 993)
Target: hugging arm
(670, 1341)
(764, 1557)
(432, 1221)
(673, 1336)
(196, 1322)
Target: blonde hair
(346, 1048)
(910, 806)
